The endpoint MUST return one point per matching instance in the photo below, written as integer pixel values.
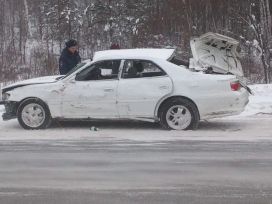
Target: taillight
(235, 86)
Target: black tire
(46, 114)
(183, 102)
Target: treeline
(32, 32)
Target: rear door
(141, 86)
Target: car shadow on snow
(211, 125)
(106, 124)
(222, 125)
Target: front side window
(141, 69)
(100, 71)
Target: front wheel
(34, 114)
(179, 114)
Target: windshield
(74, 69)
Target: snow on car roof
(134, 54)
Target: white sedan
(139, 84)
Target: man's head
(72, 45)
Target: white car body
(132, 98)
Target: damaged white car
(139, 84)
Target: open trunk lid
(216, 51)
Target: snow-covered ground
(254, 123)
(261, 102)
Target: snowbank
(260, 102)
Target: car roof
(143, 53)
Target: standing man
(69, 57)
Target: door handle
(109, 90)
(164, 87)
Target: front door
(93, 92)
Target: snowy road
(225, 161)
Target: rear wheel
(179, 114)
(34, 114)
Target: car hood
(40, 80)
(217, 51)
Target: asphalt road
(75, 170)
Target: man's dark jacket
(68, 61)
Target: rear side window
(179, 62)
(141, 69)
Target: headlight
(5, 96)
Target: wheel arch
(46, 118)
(32, 98)
(164, 101)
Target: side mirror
(73, 80)
(77, 77)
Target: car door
(92, 94)
(141, 86)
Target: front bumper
(11, 110)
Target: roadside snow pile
(260, 102)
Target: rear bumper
(228, 105)
(10, 110)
